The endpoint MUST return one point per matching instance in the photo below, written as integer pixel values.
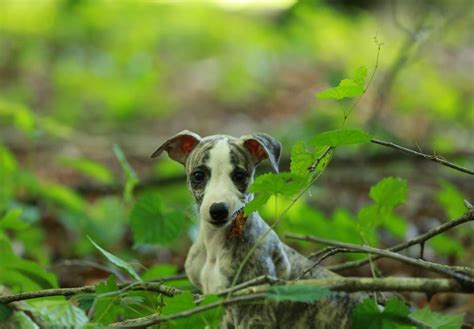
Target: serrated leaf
(297, 293)
(285, 184)
(60, 314)
(367, 315)
(389, 192)
(302, 159)
(106, 305)
(117, 261)
(151, 223)
(438, 320)
(89, 168)
(340, 137)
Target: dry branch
(433, 158)
(463, 279)
(251, 294)
(148, 286)
(468, 216)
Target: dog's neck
(213, 237)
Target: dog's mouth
(230, 219)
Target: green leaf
(340, 137)
(297, 293)
(183, 302)
(347, 88)
(106, 305)
(302, 159)
(359, 75)
(159, 271)
(389, 192)
(451, 199)
(131, 176)
(438, 320)
(117, 261)
(21, 274)
(89, 168)
(21, 320)
(12, 221)
(447, 246)
(62, 196)
(5, 312)
(285, 184)
(59, 314)
(367, 315)
(152, 223)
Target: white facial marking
(220, 187)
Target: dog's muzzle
(220, 213)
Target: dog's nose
(219, 211)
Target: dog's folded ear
(179, 146)
(262, 146)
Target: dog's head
(220, 168)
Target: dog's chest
(211, 276)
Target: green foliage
(367, 315)
(106, 304)
(297, 293)
(341, 137)
(5, 312)
(117, 261)
(438, 320)
(183, 302)
(20, 274)
(158, 271)
(89, 168)
(347, 88)
(152, 223)
(59, 313)
(451, 199)
(131, 176)
(386, 195)
(283, 184)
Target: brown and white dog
(219, 170)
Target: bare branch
(469, 216)
(148, 286)
(334, 284)
(463, 279)
(434, 158)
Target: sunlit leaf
(117, 261)
(359, 75)
(347, 88)
(340, 137)
(451, 199)
(59, 314)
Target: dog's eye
(198, 176)
(239, 177)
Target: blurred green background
(78, 77)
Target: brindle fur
(272, 257)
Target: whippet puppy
(219, 170)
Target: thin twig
(423, 155)
(148, 286)
(463, 279)
(469, 216)
(320, 158)
(253, 282)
